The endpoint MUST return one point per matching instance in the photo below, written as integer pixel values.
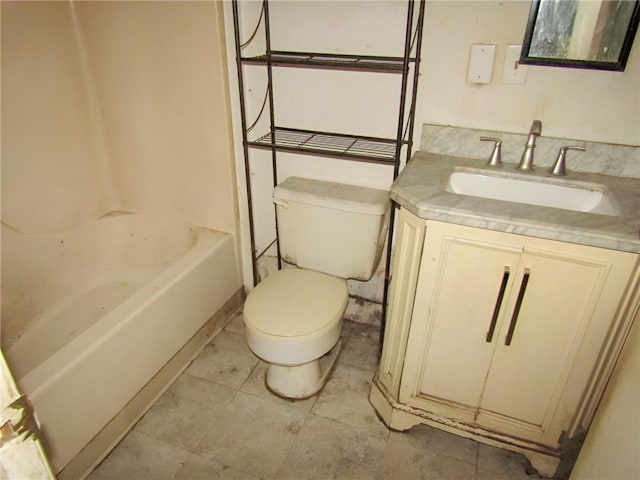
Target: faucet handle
(496, 156)
(559, 165)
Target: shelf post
(245, 144)
(272, 123)
(400, 136)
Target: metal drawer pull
(498, 306)
(516, 310)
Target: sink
(566, 196)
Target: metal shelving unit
(349, 147)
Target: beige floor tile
(329, 449)
(437, 442)
(253, 434)
(498, 464)
(256, 385)
(200, 468)
(345, 398)
(141, 457)
(404, 460)
(360, 345)
(183, 414)
(227, 360)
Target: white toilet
(293, 318)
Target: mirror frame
(618, 65)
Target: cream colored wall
(54, 167)
(115, 106)
(160, 74)
(572, 103)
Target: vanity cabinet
(498, 336)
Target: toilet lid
(295, 302)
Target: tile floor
(218, 420)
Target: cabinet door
(458, 297)
(562, 294)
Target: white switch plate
(481, 63)
(513, 71)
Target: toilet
(293, 318)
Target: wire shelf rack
(370, 149)
(367, 63)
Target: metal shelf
(349, 147)
(366, 149)
(366, 63)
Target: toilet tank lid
(338, 196)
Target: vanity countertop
(421, 189)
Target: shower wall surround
(115, 106)
(55, 168)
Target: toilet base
(302, 381)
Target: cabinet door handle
(498, 305)
(516, 310)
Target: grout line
(477, 459)
(293, 444)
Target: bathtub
(93, 317)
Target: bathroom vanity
(505, 318)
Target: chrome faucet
(526, 162)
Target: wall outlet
(514, 72)
(481, 63)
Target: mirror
(594, 34)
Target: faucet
(526, 162)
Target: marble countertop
(421, 189)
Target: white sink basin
(565, 196)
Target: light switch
(513, 71)
(481, 63)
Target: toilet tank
(330, 227)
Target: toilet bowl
(293, 318)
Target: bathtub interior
(91, 314)
(56, 285)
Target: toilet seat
(295, 316)
(295, 303)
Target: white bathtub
(91, 315)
